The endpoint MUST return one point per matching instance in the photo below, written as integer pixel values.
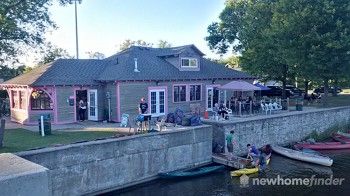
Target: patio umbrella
(239, 86)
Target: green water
(221, 184)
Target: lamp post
(76, 27)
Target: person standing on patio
(143, 107)
(82, 110)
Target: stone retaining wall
(280, 129)
(96, 166)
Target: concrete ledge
(21, 177)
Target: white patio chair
(276, 106)
(265, 108)
(270, 107)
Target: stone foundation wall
(278, 129)
(96, 166)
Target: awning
(239, 86)
(262, 87)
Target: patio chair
(276, 106)
(265, 108)
(161, 123)
(270, 107)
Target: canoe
(347, 135)
(302, 156)
(247, 171)
(342, 136)
(191, 173)
(324, 145)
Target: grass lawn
(16, 140)
(335, 101)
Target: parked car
(330, 90)
(276, 91)
(296, 91)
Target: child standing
(229, 143)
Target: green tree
(52, 53)
(23, 23)
(95, 55)
(282, 39)
(128, 43)
(163, 44)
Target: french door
(212, 97)
(157, 102)
(92, 105)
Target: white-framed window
(195, 92)
(179, 92)
(189, 63)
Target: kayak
(247, 171)
(302, 156)
(191, 173)
(324, 145)
(347, 135)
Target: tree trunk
(325, 96)
(2, 131)
(284, 81)
(335, 88)
(306, 84)
(284, 95)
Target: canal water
(280, 168)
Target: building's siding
(65, 112)
(35, 116)
(131, 92)
(111, 88)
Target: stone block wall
(102, 165)
(278, 129)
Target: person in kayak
(252, 152)
(265, 154)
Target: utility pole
(76, 26)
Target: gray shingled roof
(153, 66)
(151, 63)
(62, 72)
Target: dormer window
(189, 63)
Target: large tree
(51, 53)
(95, 55)
(281, 39)
(163, 44)
(128, 43)
(23, 24)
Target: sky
(104, 24)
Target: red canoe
(324, 145)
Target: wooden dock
(235, 161)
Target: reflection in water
(221, 184)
